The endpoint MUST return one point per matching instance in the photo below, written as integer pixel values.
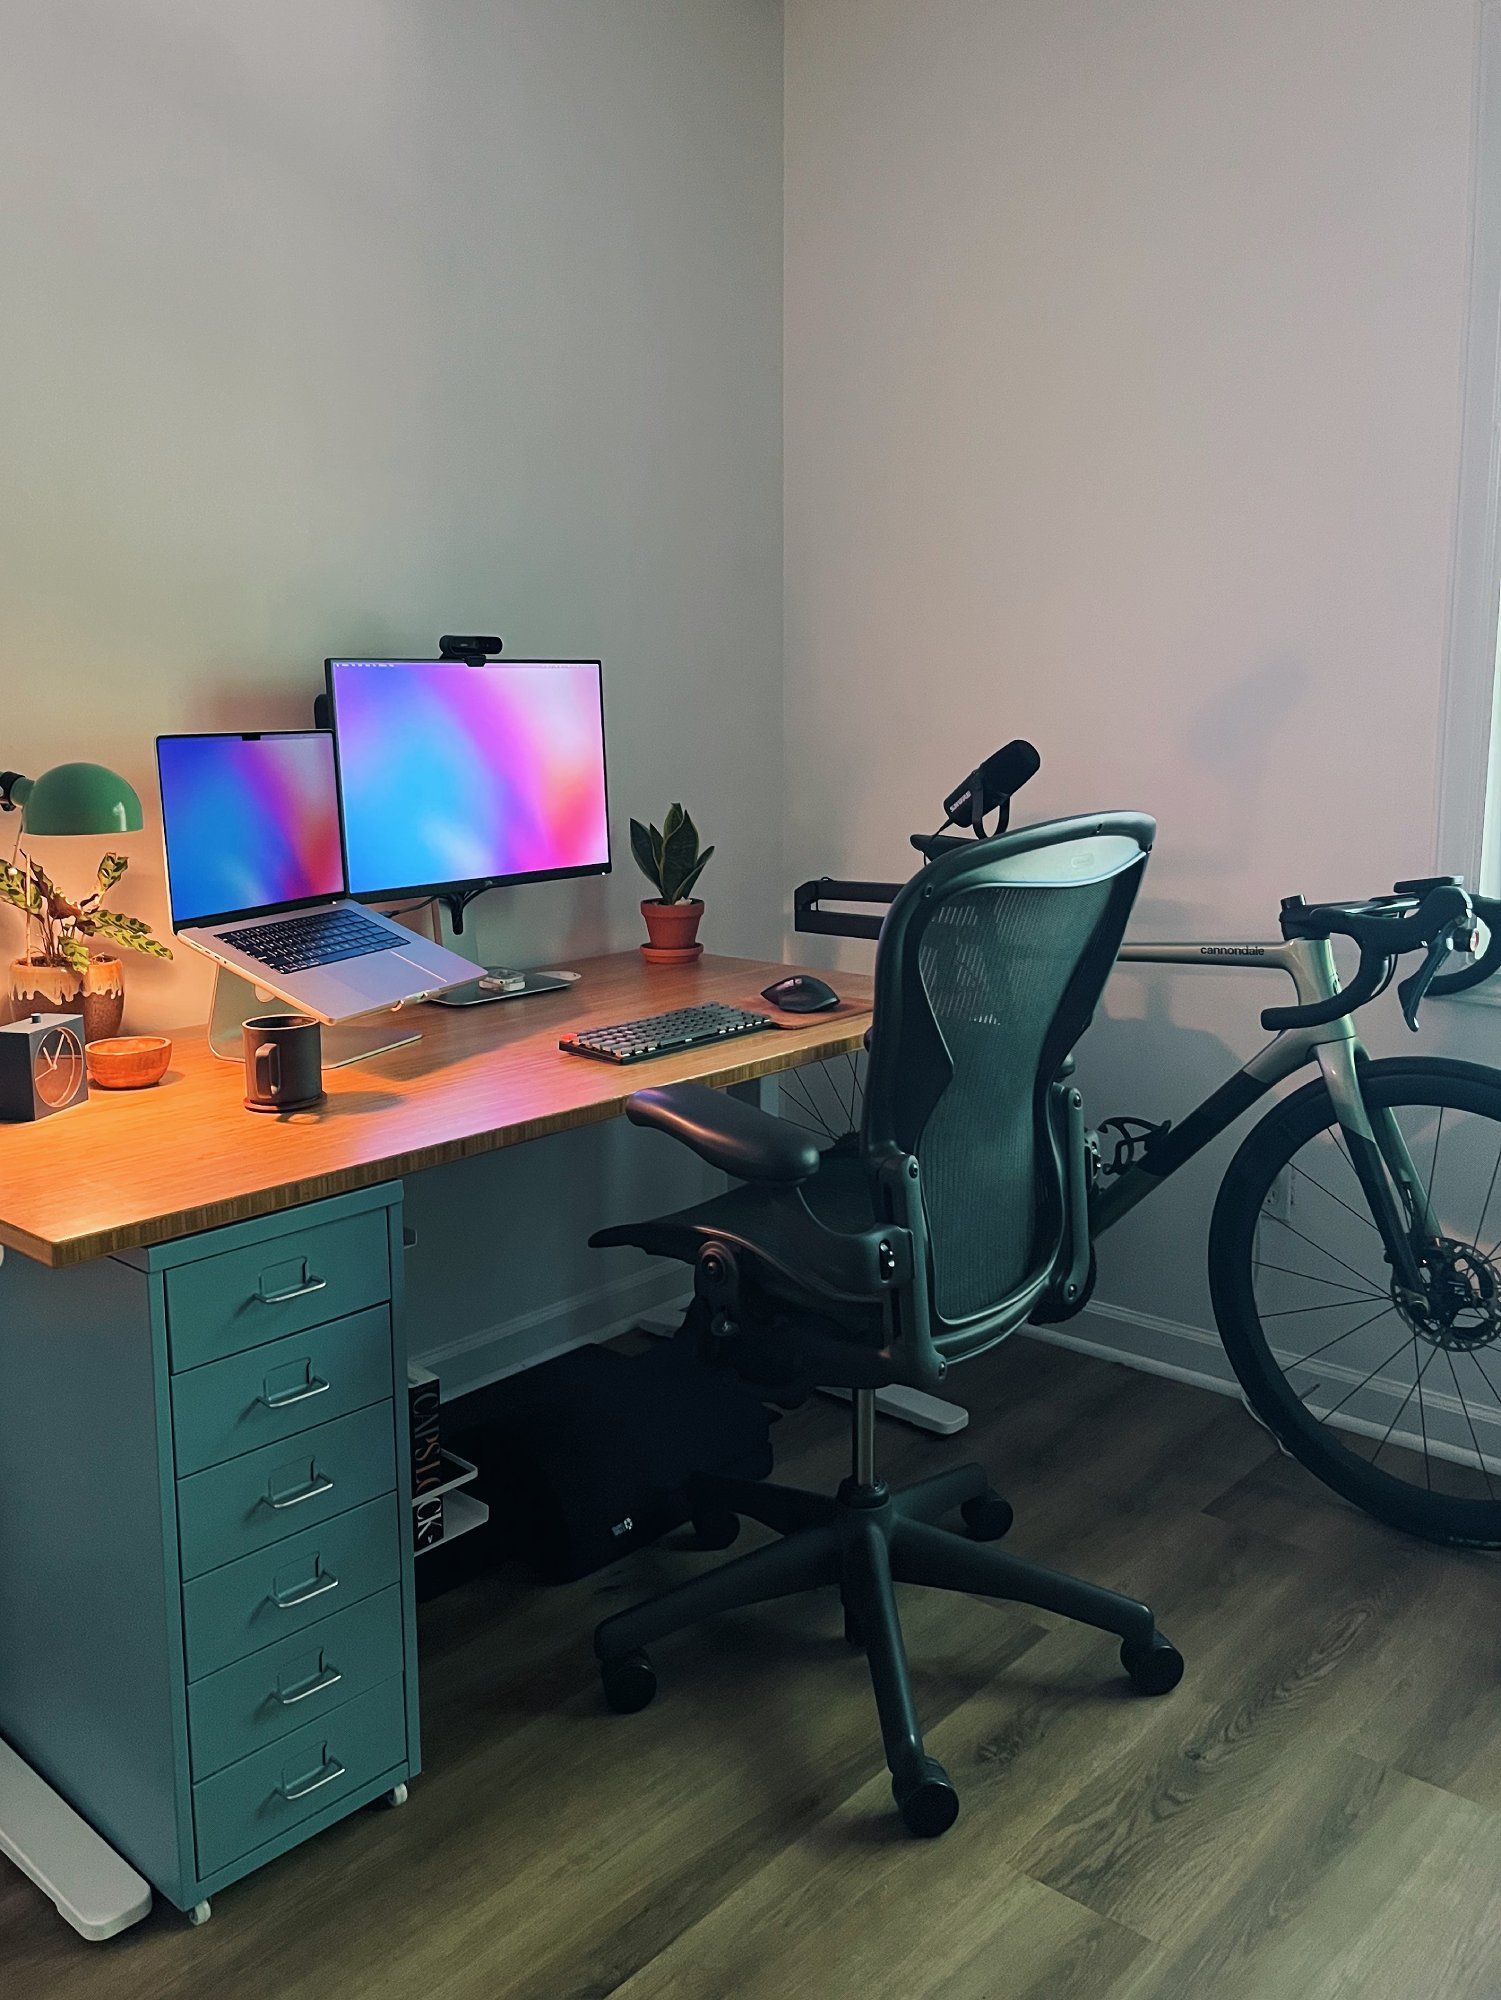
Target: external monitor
(251, 824)
(455, 778)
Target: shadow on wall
(1228, 757)
(1140, 1061)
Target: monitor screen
(452, 775)
(251, 822)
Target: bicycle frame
(1377, 1149)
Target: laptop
(255, 877)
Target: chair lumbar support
(863, 1541)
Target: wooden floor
(1316, 1811)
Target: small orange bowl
(128, 1062)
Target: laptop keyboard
(656, 1034)
(321, 937)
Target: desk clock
(41, 1066)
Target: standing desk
(207, 1628)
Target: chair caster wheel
(1156, 1667)
(987, 1517)
(715, 1530)
(928, 1803)
(629, 1682)
(200, 1913)
(397, 1796)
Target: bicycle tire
(1432, 1083)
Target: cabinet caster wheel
(397, 1796)
(987, 1517)
(928, 1803)
(715, 1530)
(629, 1682)
(200, 1913)
(1156, 1667)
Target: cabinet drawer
(295, 1684)
(224, 1513)
(253, 1801)
(273, 1392)
(311, 1273)
(285, 1589)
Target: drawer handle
(295, 1292)
(288, 1600)
(317, 1485)
(283, 1399)
(330, 1770)
(319, 1684)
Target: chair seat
(789, 1236)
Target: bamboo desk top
(131, 1168)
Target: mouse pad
(756, 1004)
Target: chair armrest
(738, 1138)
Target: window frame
(1467, 835)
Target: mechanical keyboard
(659, 1034)
(321, 937)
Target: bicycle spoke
(1485, 1378)
(1313, 1279)
(1438, 1140)
(1334, 1197)
(1361, 1385)
(1418, 1374)
(1480, 1455)
(1480, 1225)
(805, 1102)
(1283, 1223)
(854, 1088)
(1323, 1306)
(1304, 1359)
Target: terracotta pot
(98, 993)
(673, 930)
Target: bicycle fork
(1383, 1165)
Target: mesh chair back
(989, 969)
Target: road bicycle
(1355, 1246)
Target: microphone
(991, 785)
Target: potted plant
(672, 861)
(58, 972)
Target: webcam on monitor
(472, 648)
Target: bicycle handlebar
(1433, 916)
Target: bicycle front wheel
(1397, 1407)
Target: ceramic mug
(283, 1063)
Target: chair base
(864, 1541)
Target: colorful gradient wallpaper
(251, 823)
(458, 774)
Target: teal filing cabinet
(207, 1635)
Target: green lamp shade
(78, 798)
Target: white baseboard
(1195, 1354)
(490, 1353)
(1157, 1346)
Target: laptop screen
(251, 823)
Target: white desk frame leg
(915, 1407)
(94, 1890)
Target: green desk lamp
(72, 798)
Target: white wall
(1123, 376)
(329, 328)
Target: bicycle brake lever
(1413, 989)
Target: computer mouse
(801, 993)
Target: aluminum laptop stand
(236, 1000)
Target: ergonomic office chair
(883, 1261)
